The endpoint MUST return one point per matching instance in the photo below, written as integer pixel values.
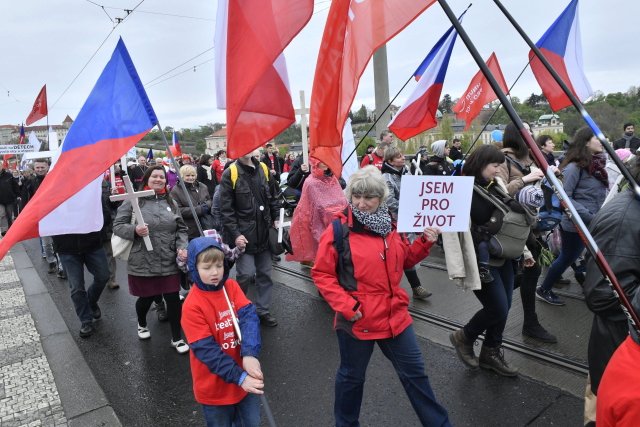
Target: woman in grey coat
(392, 170)
(154, 273)
(585, 182)
(199, 197)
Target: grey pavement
(148, 383)
(44, 378)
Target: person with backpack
(517, 172)
(358, 271)
(585, 182)
(249, 208)
(490, 204)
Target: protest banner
(435, 201)
(16, 149)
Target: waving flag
(115, 116)
(561, 46)
(419, 111)
(40, 108)
(353, 32)
(150, 154)
(176, 144)
(252, 81)
(479, 93)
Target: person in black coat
(206, 175)
(9, 192)
(628, 139)
(273, 161)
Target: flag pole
(495, 111)
(574, 100)
(570, 210)
(387, 107)
(180, 181)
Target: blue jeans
(572, 247)
(496, 302)
(83, 299)
(405, 355)
(245, 413)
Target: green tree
(446, 130)
(446, 104)
(201, 146)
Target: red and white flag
(353, 32)
(479, 93)
(39, 109)
(251, 76)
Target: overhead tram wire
(191, 68)
(96, 51)
(178, 66)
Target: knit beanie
(623, 153)
(531, 197)
(437, 147)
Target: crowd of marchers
(345, 233)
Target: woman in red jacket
(358, 274)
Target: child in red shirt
(227, 377)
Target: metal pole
(575, 101)
(267, 411)
(181, 182)
(570, 210)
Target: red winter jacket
(371, 274)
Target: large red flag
(354, 30)
(39, 109)
(479, 93)
(258, 101)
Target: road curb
(82, 398)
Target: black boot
(536, 331)
(493, 358)
(464, 348)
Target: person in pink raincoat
(322, 198)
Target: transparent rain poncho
(322, 198)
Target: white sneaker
(180, 346)
(143, 333)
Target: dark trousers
(405, 355)
(83, 299)
(528, 284)
(143, 304)
(496, 302)
(572, 247)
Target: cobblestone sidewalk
(28, 393)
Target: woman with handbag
(585, 182)
(155, 273)
(516, 172)
(199, 194)
(495, 296)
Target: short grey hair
(391, 153)
(368, 182)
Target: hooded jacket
(369, 280)
(216, 353)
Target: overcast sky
(50, 42)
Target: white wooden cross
(302, 112)
(416, 163)
(282, 225)
(133, 197)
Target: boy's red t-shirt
(206, 314)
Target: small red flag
(39, 109)
(479, 93)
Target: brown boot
(493, 358)
(464, 348)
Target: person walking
(155, 273)
(585, 182)
(361, 283)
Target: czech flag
(115, 116)
(176, 144)
(419, 111)
(561, 46)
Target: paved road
(148, 383)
